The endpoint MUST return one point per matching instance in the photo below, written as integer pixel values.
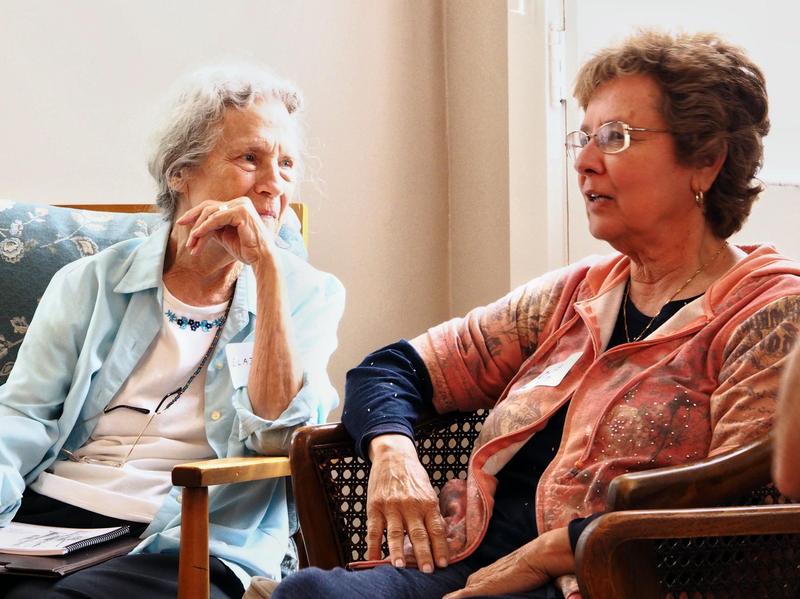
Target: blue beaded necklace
(185, 321)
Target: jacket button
(215, 415)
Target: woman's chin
(600, 231)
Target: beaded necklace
(185, 321)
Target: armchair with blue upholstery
(35, 241)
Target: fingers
(467, 591)
(375, 527)
(235, 225)
(394, 539)
(481, 582)
(437, 531)
(421, 545)
(208, 220)
(427, 539)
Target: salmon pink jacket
(702, 383)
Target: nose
(269, 180)
(590, 160)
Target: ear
(705, 175)
(178, 181)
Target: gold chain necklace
(672, 297)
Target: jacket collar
(607, 280)
(145, 265)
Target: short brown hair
(713, 97)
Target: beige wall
(80, 78)
(477, 133)
(506, 196)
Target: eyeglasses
(611, 138)
(162, 407)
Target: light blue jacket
(94, 322)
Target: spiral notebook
(32, 539)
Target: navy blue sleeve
(577, 526)
(386, 393)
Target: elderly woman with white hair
(203, 340)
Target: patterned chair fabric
(36, 240)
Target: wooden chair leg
(193, 580)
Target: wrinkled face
(256, 156)
(640, 192)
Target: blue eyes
(252, 158)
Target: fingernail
(427, 568)
(398, 563)
(442, 563)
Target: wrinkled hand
(399, 499)
(529, 567)
(235, 225)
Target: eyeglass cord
(177, 393)
(211, 348)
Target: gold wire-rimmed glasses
(611, 138)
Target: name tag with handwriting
(554, 374)
(240, 358)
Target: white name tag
(554, 374)
(240, 357)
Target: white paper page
(31, 539)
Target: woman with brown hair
(660, 354)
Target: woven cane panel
(444, 447)
(748, 567)
(766, 495)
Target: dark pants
(388, 582)
(148, 575)
(151, 576)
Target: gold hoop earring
(700, 199)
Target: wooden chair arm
(708, 482)
(195, 478)
(315, 516)
(128, 208)
(229, 470)
(615, 555)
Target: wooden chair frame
(615, 554)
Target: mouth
(597, 197)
